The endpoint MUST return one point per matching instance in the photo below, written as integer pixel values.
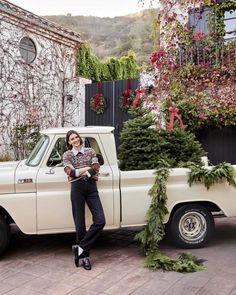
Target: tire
(191, 226)
(4, 235)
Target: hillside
(114, 36)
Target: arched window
(27, 49)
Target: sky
(101, 8)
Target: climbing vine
(24, 137)
(219, 10)
(36, 92)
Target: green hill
(114, 36)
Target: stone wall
(45, 91)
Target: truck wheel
(4, 235)
(191, 226)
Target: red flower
(165, 77)
(156, 55)
(159, 64)
(198, 36)
(153, 57)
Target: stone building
(38, 80)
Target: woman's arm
(70, 170)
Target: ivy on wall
(24, 138)
(91, 67)
(219, 11)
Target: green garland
(219, 173)
(185, 263)
(153, 232)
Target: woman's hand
(82, 171)
(67, 170)
(96, 167)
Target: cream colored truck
(35, 193)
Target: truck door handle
(104, 174)
(51, 171)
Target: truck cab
(35, 193)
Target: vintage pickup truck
(35, 193)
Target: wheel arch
(210, 206)
(4, 213)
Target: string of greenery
(153, 232)
(91, 67)
(219, 173)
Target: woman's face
(74, 140)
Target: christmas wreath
(98, 102)
(127, 97)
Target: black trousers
(85, 191)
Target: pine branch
(219, 173)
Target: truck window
(59, 148)
(37, 153)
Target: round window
(27, 49)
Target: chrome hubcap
(192, 226)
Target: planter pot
(219, 142)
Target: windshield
(38, 151)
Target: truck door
(54, 213)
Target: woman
(82, 167)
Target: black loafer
(86, 263)
(76, 254)
(85, 254)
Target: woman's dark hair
(68, 134)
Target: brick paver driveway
(44, 265)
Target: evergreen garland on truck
(148, 148)
(153, 233)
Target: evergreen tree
(143, 147)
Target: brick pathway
(44, 265)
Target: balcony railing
(219, 55)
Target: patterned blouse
(86, 157)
